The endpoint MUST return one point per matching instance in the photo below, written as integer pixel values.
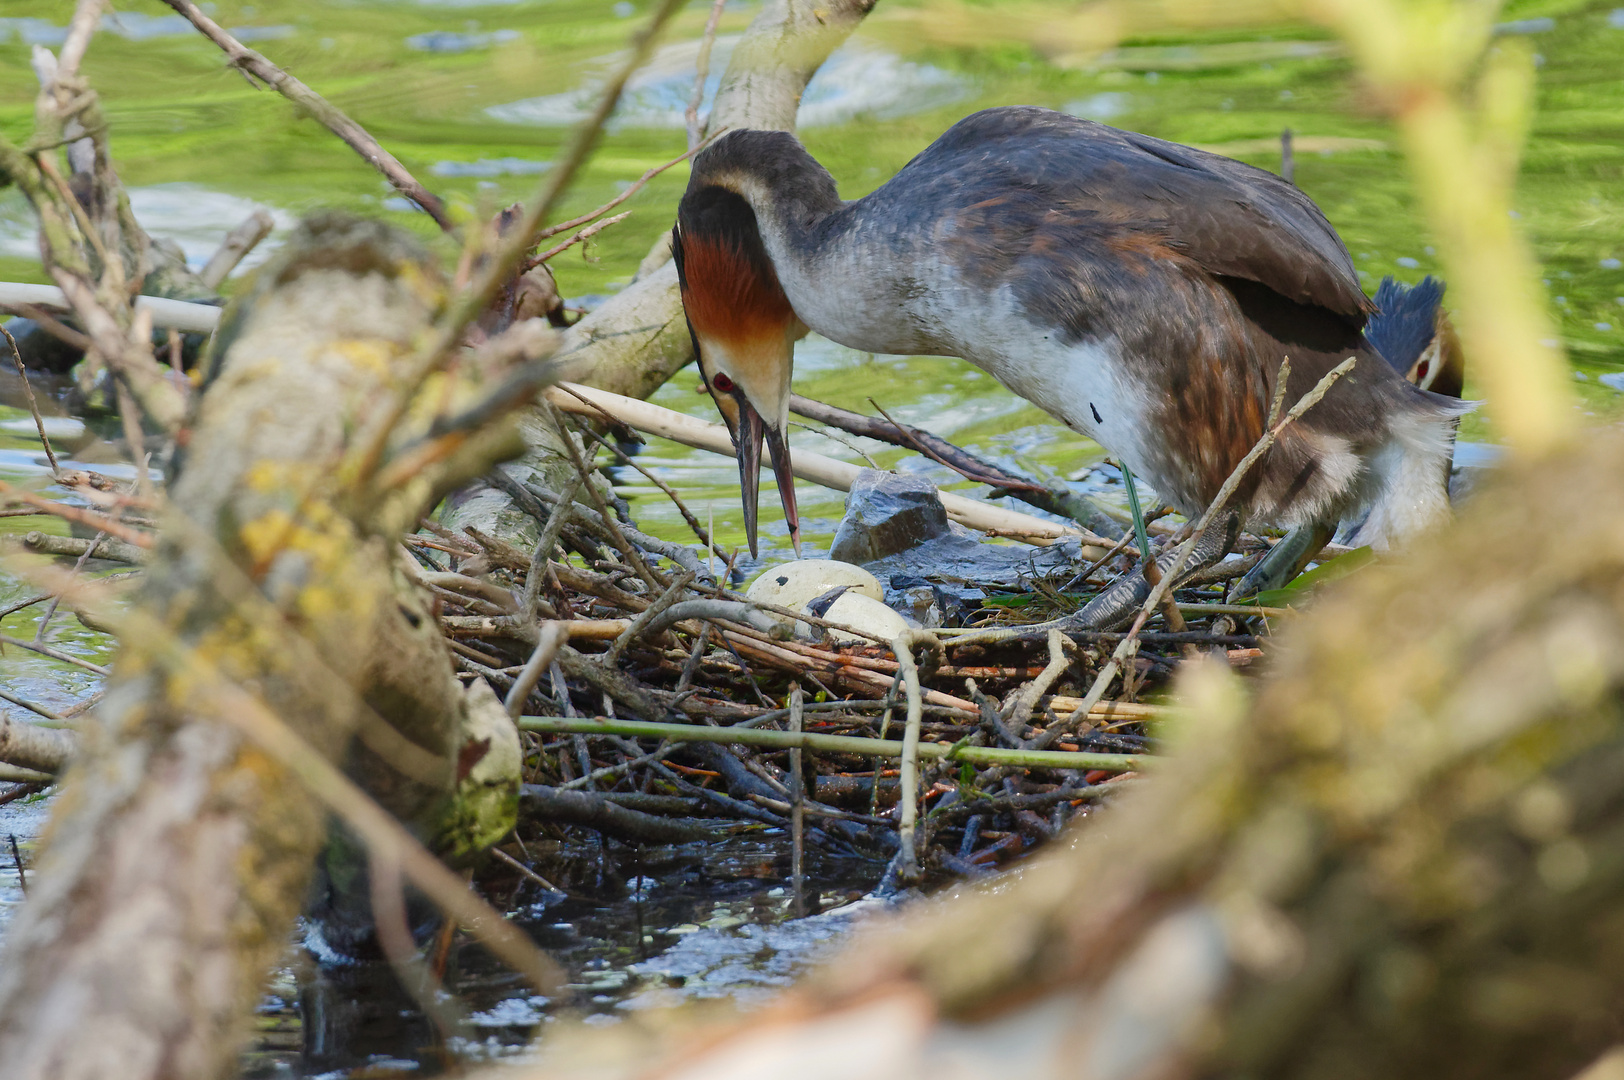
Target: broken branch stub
(182, 849)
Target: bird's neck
(762, 195)
(792, 200)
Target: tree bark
(181, 850)
(1403, 860)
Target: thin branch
(701, 73)
(908, 867)
(33, 405)
(635, 186)
(553, 634)
(1219, 503)
(330, 116)
(100, 522)
(579, 238)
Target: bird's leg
(1121, 599)
(1284, 561)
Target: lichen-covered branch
(181, 849)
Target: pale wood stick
(825, 471)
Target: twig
(548, 540)
(633, 559)
(526, 871)
(632, 189)
(50, 609)
(579, 238)
(609, 772)
(24, 703)
(908, 865)
(33, 405)
(54, 654)
(1055, 500)
(797, 787)
(646, 620)
(553, 634)
(910, 439)
(699, 531)
(501, 264)
(17, 861)
(394, 931)
(99, 522)
(1027, 699)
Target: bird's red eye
(1421, 372)
(722, 383)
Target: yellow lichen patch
(257, 370)
(368, 354)
(265, 475)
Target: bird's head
(744, 333)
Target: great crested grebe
(1141, 292)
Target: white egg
(863, 613)
(795, 584)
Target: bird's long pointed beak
(747, 440)
(778, 448)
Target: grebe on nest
(1141, 292)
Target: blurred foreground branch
(276, 636)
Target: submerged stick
(701, 73)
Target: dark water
(635, 929)
(475, 98)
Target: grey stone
(886, 514)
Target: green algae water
(477, 98)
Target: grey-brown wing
(1028, 166)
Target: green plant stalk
(1140, 535)
(835, 744)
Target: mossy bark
(180, 852)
